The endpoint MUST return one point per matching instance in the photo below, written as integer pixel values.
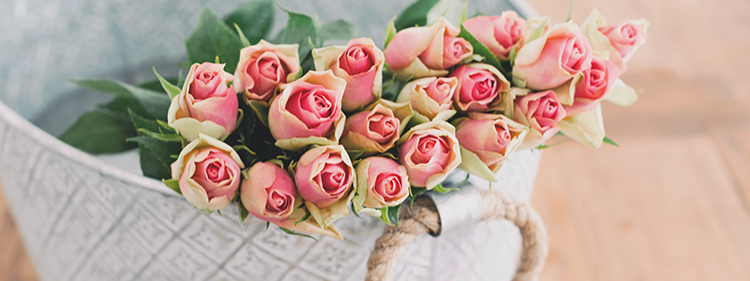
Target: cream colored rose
(431, 96)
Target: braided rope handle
(423, 218)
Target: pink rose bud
(384, 182)
(205, 105)
(375, 131)
(429, 152)
(426, 51)
(499, 33)
(308, 107)
(593, 86)
(552, 59)
(208, 172)
(541, 112)
(263, 67)
(360, 63)
(268, 192)
(324, 175)
(480, 87)
(626, 36)
(492, 138)
(430, 95)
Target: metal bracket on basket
(458, 208)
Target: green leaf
(155, 85)
(144, 102)
(100, 132)
(538, 31)
(171, 137)
(390, 31)
(440, 189)
(393, 214)
(356, 154)
(415, 14)
(292, 232)
(384, 215)
(338, 30)
(414, 192)
(243, 39)
(300, 29)
(170, 88)
(211, 38)
(155, 154)
(570, 11)
(173, 184)
(261, 111)
(242, 211)
(610, 142)
(482, 50)
(254, 18)
(306, 217)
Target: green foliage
(168, 87)
(144, 102)
(254, 18)
(211, 38)
(610, 142)
(155, 151)
(242, 211)
(338, 31)
(440, 189)
(292, 232)
(100, 132)
(173, 184)
(482, 50)
(301, 29)
(155, 85)
(415, 14)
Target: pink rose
(205, 105)
(499, 33)
(429, 152)
(263, 67)
(426, 51)
(308, 107)
(626, 36)
(430, 95)
(382, 181)
(360, 63)
(376, 130)
(541, 112)
(492, 138)
(552, 59)
(324, 175)
(268, 192)
(208, 172)
(480, 87)
(593, 86)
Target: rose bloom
(324, 175)
(308, 107)
(268, 192)
(552, 59)
(205, 105)
(375, 131)
(541, 112)
(429, 151)
(593, 86)
(263, 67)
(499, 33)
(384, 182)
(626, 36)
(430, 95)
(360, 63)
(417, 52)
(208, 172)
(480, 87)
(492, 138)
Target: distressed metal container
(96, 218)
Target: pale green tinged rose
(429, 151)
(208, 173)
(487, 140)
(324, 176)
(265, 66)
(381, 182)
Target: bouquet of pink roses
(301, 134)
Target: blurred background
(673, 202)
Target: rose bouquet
(300, 133)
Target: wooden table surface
(673, 203)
